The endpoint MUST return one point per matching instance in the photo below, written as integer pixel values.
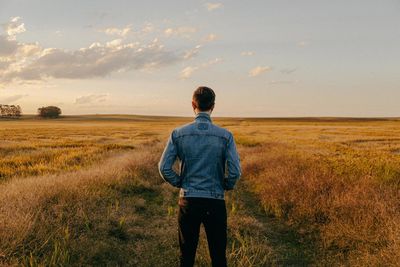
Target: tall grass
(354, 222)
(117, 213)
(86, 192)
(93, 216)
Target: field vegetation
(85, 191)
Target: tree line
(10, 110)
(15, 111)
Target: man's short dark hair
(204, 97)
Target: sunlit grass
(86, 191)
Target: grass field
(85, 191)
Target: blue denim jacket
(204, 151)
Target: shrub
(49, 112)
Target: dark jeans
(212, 213)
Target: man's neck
(207, 112)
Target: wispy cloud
(128, 31)
(183, 31)
(90, 99)
(189, 54)
(247, 53)
(210, 38)
(212, 62)
(259, 70)
(288, 71)
(213, 6)
(122, 32)
(187, 72)
(192, 52)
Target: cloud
(128, 30)
(148, 28)
(189, 54)
(122, 32)
(211, 62)
(14, 27)
(4, 64)
(182, 32)
(288, 71)
(11, 99)
(192, 52)
(247, 53)
(30, 62)
(89, 99)
(209, 38)
(213, 6)
(7, 46)
(187, 72)
(97, 60)
(14, 54)
(11, 50)
(258, 70)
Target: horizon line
(239, 117)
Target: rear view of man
(204, 151)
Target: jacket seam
(206, 134)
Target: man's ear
(194, 105)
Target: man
(204, 151)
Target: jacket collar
(203, 116)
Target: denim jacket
(208, 161)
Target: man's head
(203, 99)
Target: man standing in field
(204, 151)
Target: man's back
(204, 151)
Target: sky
(263, 58)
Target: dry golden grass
(31, 147)
(85, 190)
(94, 216)
(353, 221)
(338, 182)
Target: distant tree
(13, 110)
(10, 110)
(18, 111)
(49, 112)
(3, 110)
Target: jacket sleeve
(167, 161)
(233, 164)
